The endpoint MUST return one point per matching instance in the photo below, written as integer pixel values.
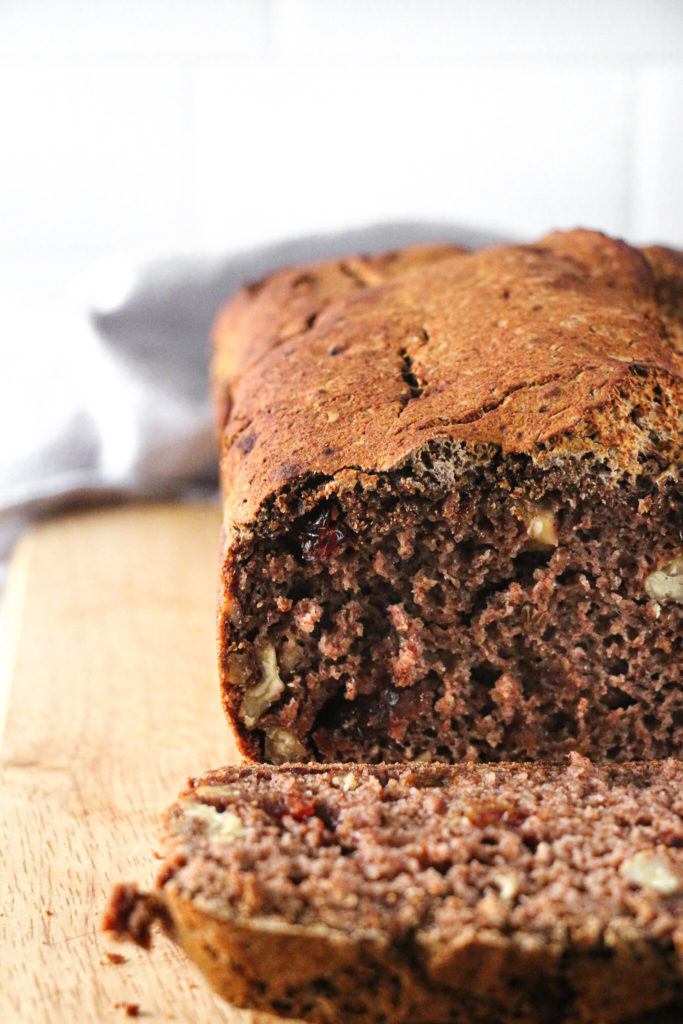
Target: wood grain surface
(113, 703)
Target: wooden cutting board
(110, 618)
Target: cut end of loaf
(467, 606)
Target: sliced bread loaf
(453, 505)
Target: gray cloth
(106, 398)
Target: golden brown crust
(264, 969)
(477, 979)
(516, 346)
(667, 268)
(266, 313)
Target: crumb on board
(115, 958)
(131, 1009)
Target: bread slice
(428, 893)
(453, 505)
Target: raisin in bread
(462, 894)
(453, 505)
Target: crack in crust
(289, 303)
(415, 385)
(473, 417)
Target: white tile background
(185, 125)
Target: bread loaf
(453, 505)
(465, 894)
